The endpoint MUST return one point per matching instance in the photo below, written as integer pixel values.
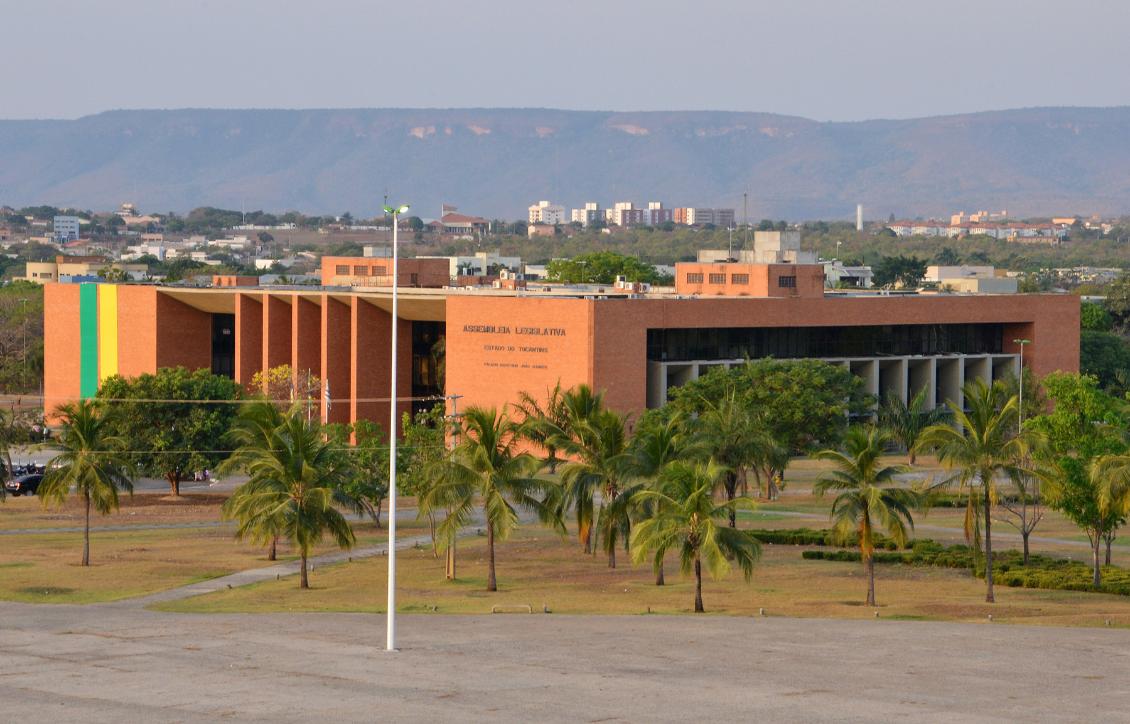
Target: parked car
(24, 484)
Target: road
(115, 664)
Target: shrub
(1042, 572)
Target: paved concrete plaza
(118, 663)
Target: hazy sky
(824, 59)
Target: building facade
(501, 343)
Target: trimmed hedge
(811, 537)
(1054, 574)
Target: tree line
(672, 482)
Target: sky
(839, 60)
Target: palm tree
(688, 519)
(658, 441)
(485, 469)
(255, 428)
(980, 445)
(866, 497)
(295, 476)
(1110, 476)
(600, 461)
(578, 404)
(541, 423)
(732, 435)
(91, 463)
(906, 421)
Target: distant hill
(495, 162)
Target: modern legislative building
(634, 343)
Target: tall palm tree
(295, 475)
(866, 496)
(905, 421)
(91, 463)
(255, 428)
(733, 436)
(688, 519)
(981, 444)
(485, 469)
(579, 405)
(543, 422)
(658, 442)
(600, 462)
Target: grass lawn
(43, 567)
(538, 569)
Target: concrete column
(305, 337)
(370, 363)
(248, 337)
(334, 363)
(276, 332)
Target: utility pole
(449, 568)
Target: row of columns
(942, 376)
(344, 343)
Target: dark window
(717, 278)
(427, 364)
(739, 278)
(223, 344)
(361, 270)
(694, 278)
(342, 268)
(380, 270)
(786, 282)
(815, 342)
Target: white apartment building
(544, 212)
(589, 215)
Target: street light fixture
(1020, 382)
(390, 635)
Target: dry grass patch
(43, 567)
(538, 569)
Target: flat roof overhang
(417, 305)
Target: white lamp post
(1020, 412)
(390, 636)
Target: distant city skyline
(820, 59)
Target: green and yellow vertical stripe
(98, 336)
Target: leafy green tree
(295, 475)
(1104, 355)
(89, 462)
(981, 445)
(485, 469)
(947, 256)
(168, 432)
(867, 497)
(1081, 429)
(899, 271)
(1118, 300)
(601, 267)
(804, 404)
(366, 482)
(905, 421)
(599, 462)
(1094, 317)
(687, 519)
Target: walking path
(267, 573)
